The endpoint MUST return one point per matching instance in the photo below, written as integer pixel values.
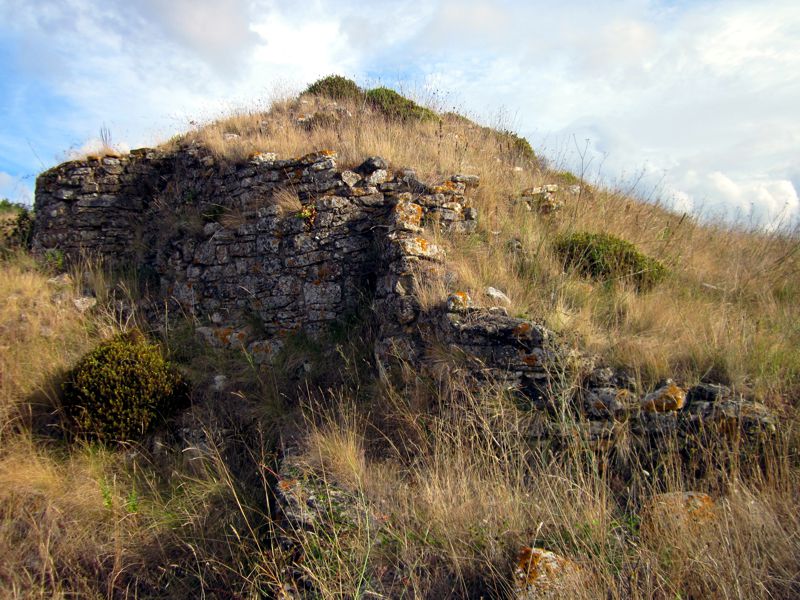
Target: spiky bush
(117, 390)
(399, 107)
(335, 87)
(604, 257)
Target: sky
(695, 103)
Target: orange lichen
(666, 399)
(522, 329)
(286, 485)
(409, 213)
(539, 570)
(224, 335)
(444, 188)
(531, 360)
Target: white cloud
(697, 100)
(15, 189)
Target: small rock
(264, 157)
(471, 181)
(497, 295)
(376, 177)
(458, 302)
(220, 381)
(666, 398)
(372, 164)
(84, 303)
(350, 178)
(540, 573)
(574, 190)
(228, 137)
(62, 280)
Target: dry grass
(728, 312)
(442, 485)
(442, 489)
(83, 520)
(457, 491)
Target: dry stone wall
(286, 244)
(267, 247)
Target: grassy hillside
(433, 492)
(727, 311)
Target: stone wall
(257, 249)
(261, 249)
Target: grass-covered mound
(604, 257)
(119, 389)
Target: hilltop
(404, 357)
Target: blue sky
(696, 102)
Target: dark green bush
(604, 257)
(117, 390)
(395, 106)
(335, 87)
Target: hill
(420, 362)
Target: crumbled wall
(267, 247)
(291, 244)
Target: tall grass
(427, 491)
(727, 312)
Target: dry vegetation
(727, 312)
(442, 484)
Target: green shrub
(516, 146)
(16, 226)
(335, 87)
(567, 178)
(117, 390)
(6, 206)
(395, 106)
(604, 257)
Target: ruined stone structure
(267, 247)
